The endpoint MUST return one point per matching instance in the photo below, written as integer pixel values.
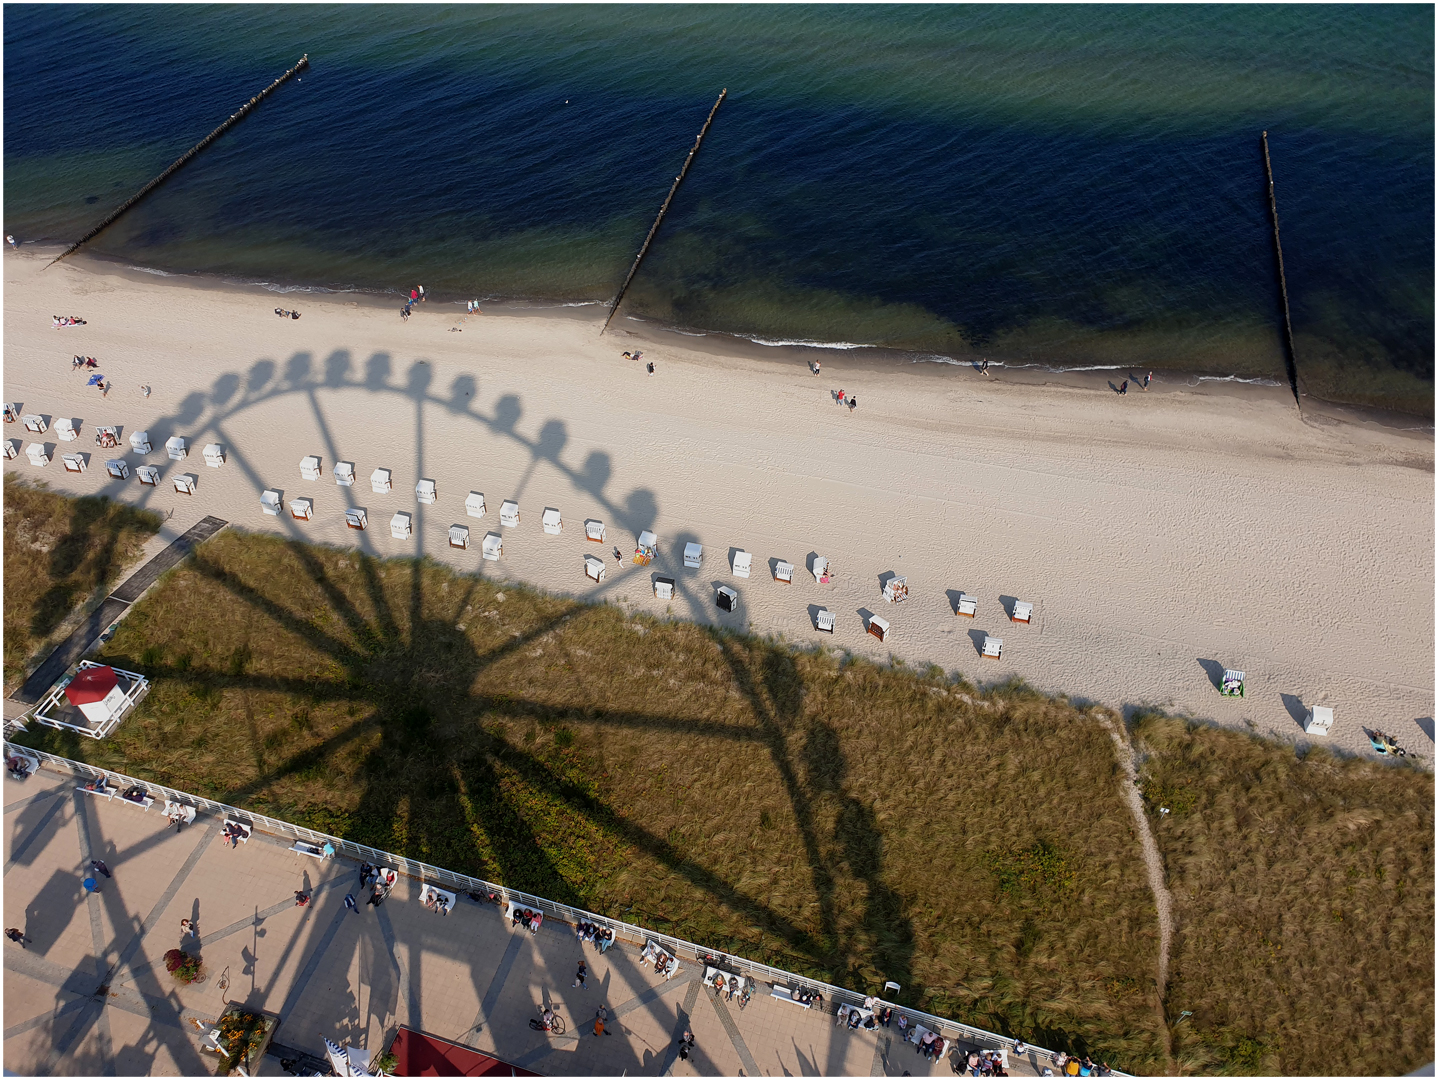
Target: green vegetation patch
(1303, 898)
(60, 554)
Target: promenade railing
(452, 880)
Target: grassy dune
(1303, 894)
(60, 554)
(847, 821)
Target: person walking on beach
(1123, 387)
(816, 368)
(421, 293)
(145, 390)
(853, 402)
(984, 367)
(650, 366)
(10, 239)
(1147, 379)
(841, 396)
(15, 934)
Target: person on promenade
(188, 927)
(91, 885)
(686, 1044)
(580, 976)
(98, 865)
(15, 934)
(599, 1018)
(302, 899)
(350, 903)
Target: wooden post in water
(1291, 356)
(663, 210)
(234, 119)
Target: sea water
(1059, 186)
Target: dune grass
(1303, 897)
(60, 554)
(847, 821)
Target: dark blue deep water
(1069, 186)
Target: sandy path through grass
(1151, 857)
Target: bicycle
(554, 1027)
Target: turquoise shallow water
(1076, 186)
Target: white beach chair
(379, 482)
(38, 455)
(400, 527)
(551, 521)
(509, 513)
(664, 588)
(594, 568)
(424, 491)
(968, 605)
(214, 455)
(344, 474)
(107, 438)
(74, 462)
(65, 429)
(302, 509)
(12, 449)
(356, 518)
(177, 448)
(1023, 612)
(118, 468)
(492, 547)
(993, 648)
(594, 530)
(821, 570)
(140, 442)
(148, 474)
(694, 556)
(896, 590)
(310, 468)
(646, 548)
(186, 483)
(726, 597)
(742, 562)
(270, 502)
(824, 620)
(459, 536)
(879, 627)
(784, 572)
(474, 504)
(12, 412)
(1320, 720)
(1231, 685)
(36, 423)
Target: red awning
(429, 1055)
(91, 685)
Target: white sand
(1152, 532)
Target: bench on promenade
(783, 993)
(437, 899)
(302, 847)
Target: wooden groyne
(234, 119)
(664, 209)
(1290, 356)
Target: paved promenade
(89, 993)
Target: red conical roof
(91, 685)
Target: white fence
(424, 872)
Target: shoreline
(837, 357)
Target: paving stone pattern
(89, 994)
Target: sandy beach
(1161, 536)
